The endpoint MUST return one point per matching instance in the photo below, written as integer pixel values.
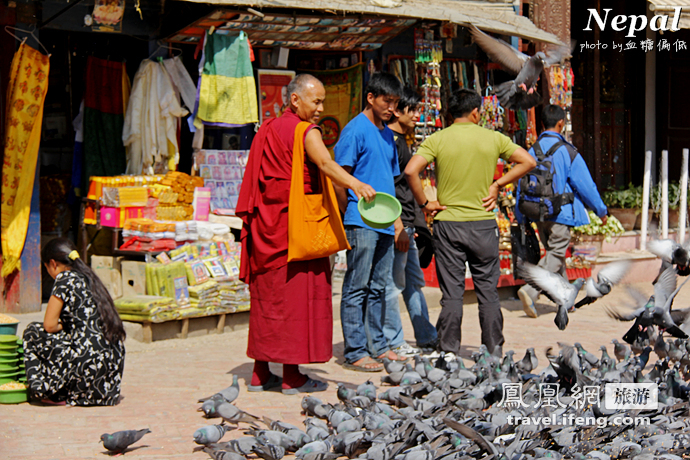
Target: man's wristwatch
(422, 206)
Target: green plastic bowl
(13, 396)
(9, 328)
(10, 361)
(5, 368)
(11, 375)
(20, 342)
(7, 339)
(381, 212)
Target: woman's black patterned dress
(77, 365)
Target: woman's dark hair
(409, 99)
(59, 250)
(463, 101)
(551, 115)
(383, 84)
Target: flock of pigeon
(442, 410)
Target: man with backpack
(554, 195)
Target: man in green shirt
(465, 229)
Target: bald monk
(291, 315)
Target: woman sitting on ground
(77, 355)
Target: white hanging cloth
(150, 128)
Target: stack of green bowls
(12, 368)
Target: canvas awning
(496, 16)
(668, 7)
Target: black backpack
(537, 199)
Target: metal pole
(645, 198)
(683, 197)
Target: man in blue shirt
(568, 177)
(366, 149)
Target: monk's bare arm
(319, 155)
(341, 195)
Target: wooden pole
(683, 197)
(664, 194)
(645, 198)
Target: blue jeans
(407, 278)
(369, 264)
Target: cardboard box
(112, 279)
(106, 262)
(133, 278)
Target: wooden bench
(239, 320)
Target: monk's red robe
(291, 315)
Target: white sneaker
(433, 355)
(450, 356)
(406, 350)
(527, 303)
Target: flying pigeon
(669, 251)
(519, 93)
(656, 311)
(121, 440)
(555, 287)
(611, 274)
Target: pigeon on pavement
(120, 440)
(210, 433)
(229, 394)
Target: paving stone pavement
(163, 380)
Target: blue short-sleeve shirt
(373, 156)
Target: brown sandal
(374, 366)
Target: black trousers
(477, 244)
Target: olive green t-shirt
(466, 156)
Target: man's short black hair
(551, 115)
(409, 99)
(463, 101)
(383, 84)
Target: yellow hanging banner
(26, 93)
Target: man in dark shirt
(407, 276)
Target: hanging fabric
(183, 82)
(227, 91)
(150, 127)
(26, 92)
(477, 82)
(75, 191)
(105, 102)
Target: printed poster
(273, 92)
(107, 15)
(343, 101)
